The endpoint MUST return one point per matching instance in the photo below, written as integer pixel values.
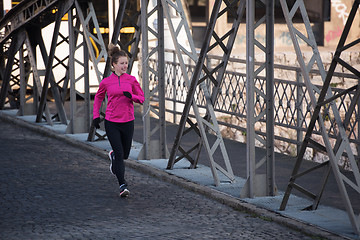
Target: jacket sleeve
(99, 97)
(137, 92)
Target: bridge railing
(291, 104)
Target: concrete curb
(223, 198)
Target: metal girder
(153, 146)
(260, 103)
(201, 73)
(23, 13)
(325, 99)
(133, 44)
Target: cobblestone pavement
(50, 189)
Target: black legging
(120, 137)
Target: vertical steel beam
(260, 103)
(299, 109)
(250, 104)
(86, 77)
(163, 151)
(23, 82)
(153, 146)
(145, 78)
(269, 51)
(71, 73)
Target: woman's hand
(127, 94)
(96, 122)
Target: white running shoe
(124, 192)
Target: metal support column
(260, 105)
(153, 146)
(23, 82)
(71, 73)
(271, 189)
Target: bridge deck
(329, 216)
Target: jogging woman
(122, 91)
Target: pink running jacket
(119, 108)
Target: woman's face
(121, 66)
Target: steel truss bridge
(23, 47)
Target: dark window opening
(317, 11)
(198, 10)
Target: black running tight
(120, 137)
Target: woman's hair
(114, 53)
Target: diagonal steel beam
(37, 83)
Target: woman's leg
(127, 133)
(113, 132)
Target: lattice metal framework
(29, 33)
(326, 102)
(49, 77)
(16, 25)
(9, 70)
(17, 33)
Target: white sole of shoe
(125, 193)
(111, 162)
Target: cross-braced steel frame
(20, 33)
(326, 101)
(198, 79)
(36, 15)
